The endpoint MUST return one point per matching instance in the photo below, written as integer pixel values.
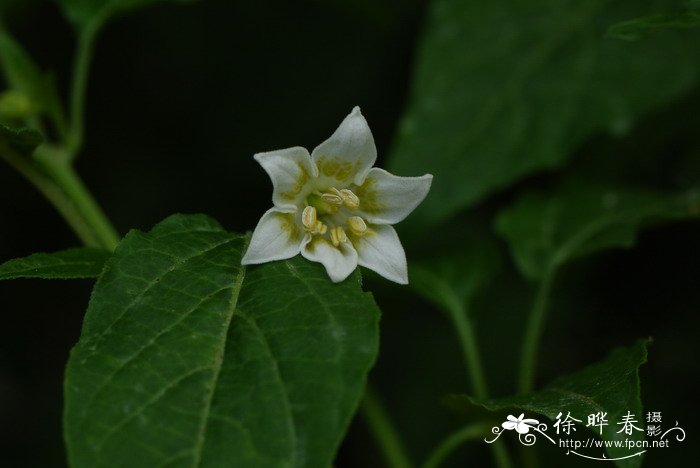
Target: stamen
(350, 199)
(311, 223)
(338, 235)
(333, 197)
(308, 217)
(357, 225)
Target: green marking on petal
(315, 241)
(337, 168)
(289, 226)
(301, 181)
(369, 198)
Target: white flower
(334, 207)
(522, 426)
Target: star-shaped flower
(334, 207)
(522, 426)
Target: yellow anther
(308, 217)
(357, 225)
(311, 223)
(338, 235)
(333, 197)
(349, 199)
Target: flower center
(333, 208)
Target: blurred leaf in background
(634, 29)
(547, 230)
(90, 13)
(505, 89)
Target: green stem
(533, 332)
(55, 164)
(81, 69)
(54, 194)
(461, 320)
(467, 340)
(449, 445)
(383, 430)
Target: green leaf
(22, 141)
(187, 358)
(89, 13)
(84, 262)
(610, 386)
(546, 230)
(466, 259)
(634, 29)
(637, 28)
(27, 83)
(504, 89)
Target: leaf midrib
(235, 294)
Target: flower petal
(508, 425)
(380, 249)
(276, 237)
(388, 199)
(348, 154)
(512, 418)
(339, 261)
(532, 422)
(290, 170)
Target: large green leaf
(611, 386)
(502, 89)
(547, 229)
(85, 13)
(85, 262)
(187, 358)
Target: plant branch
(470, 350)
(55, 163)
(81, 70)
(458, 314)
(533, 332)
(467, 433)
(383, 430)
(54, 194)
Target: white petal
(388, 199)
(532, 422)
(339, 261)
(290, 171)
(508, 425)
(380, 249)
(512, 418)
(349, 153)
(276, 237)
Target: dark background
(181, 97)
